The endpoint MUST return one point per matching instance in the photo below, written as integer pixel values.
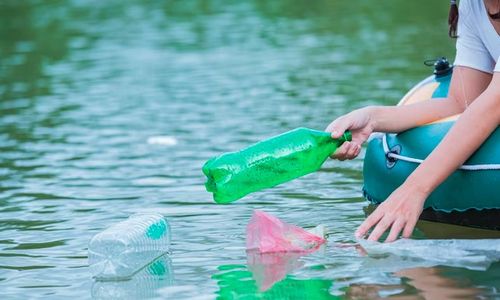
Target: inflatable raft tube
(470, 196)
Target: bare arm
(477, 122)
(466, 85)
(403, 207)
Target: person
(474, 93)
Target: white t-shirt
(478, 43)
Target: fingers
(409, 228)
(400, 211)
(396, 228)
(382, 223)
(354, 151)
(338, 127)
(348, 150)
(381, 227)
(368, 223)
(342, 151)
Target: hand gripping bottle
(268, 163)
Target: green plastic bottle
(268, 163)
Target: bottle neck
(346, 137)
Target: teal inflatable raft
(469, 197)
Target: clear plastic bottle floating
(268, 163)
(124, 248)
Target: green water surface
(87, 87)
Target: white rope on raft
(396, 156)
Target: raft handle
(393, 155)
(389, 156)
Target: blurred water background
(111, 107)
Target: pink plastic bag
(266, 234)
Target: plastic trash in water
(465, 253)
(268, 163)
(267, 234)
(145, 284)
(163, 140)
(124, 248)
(319, 230)
(274, 248)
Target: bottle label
(157, 230)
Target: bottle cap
(347, 136)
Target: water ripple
(111, 107)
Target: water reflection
(237, 282)
(469, 254)
(270, 268)
(266, 276)
(143, 285)
(433, 285)
(418, 283)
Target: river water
(111, 107)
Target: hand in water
(399, 212)
(360, 123)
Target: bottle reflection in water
(236, 282)
(143, 285)
(124, 248)
(266, 277)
